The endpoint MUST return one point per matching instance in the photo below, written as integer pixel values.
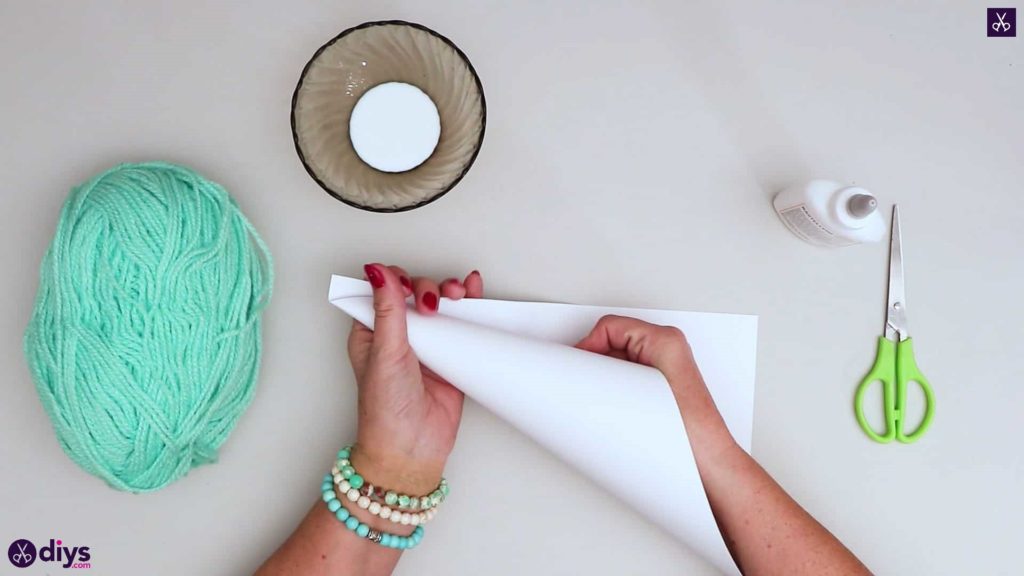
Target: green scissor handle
(884, 371)
(894, 367)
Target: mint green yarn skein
(144, 343)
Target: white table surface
(631, 152)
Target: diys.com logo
(23, 553)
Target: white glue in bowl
(394, 127)
(388, 116)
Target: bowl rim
(476, 148)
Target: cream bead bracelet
(383, 511)
(386, 504)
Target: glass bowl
(358, 59)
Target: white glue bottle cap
(861, 205)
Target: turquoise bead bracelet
(346, 477)
(362, 530)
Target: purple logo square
(1002, 22)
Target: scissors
(1001, 24)
(21, 557)
(895, 366)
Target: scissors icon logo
(22, 553)
(1002, 22)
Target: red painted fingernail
(376, 278)
(406, 283)
(477, 272)
(430, 301)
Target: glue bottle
(827, 213)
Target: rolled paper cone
(589, 410)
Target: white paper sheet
(516, 359)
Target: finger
(404, 279)
(360, 340)
(618, 354)
(639, 341)
(597, 341)
(591, 343)
(359, 328)
(358, 336)
(474, 284)
(452, 289)
(590, 346)
(388, 307)
(612, 333)
(426, 293)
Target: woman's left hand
(408, 416)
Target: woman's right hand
(766, 531)
(662, 347)
(666, 348)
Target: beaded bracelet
(344, 471)
(362, 530)
(382, 510)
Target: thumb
(389, 329)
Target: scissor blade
(896, 309)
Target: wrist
(358, 504)
(352, 518)
(397, 470)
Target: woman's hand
(662, 347)
(666, 348)
(766, 531)
(408, 416)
